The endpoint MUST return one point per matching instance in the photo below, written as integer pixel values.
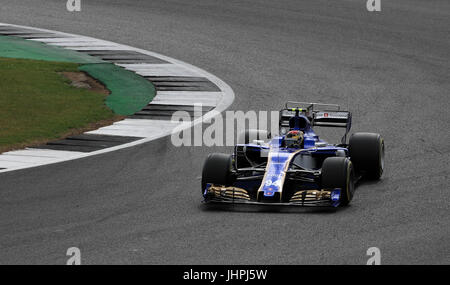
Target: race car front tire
(217, 170)
(337, 172)
(367, 154)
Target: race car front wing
(303, 198)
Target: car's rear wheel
(337, 172)
(217, 170)
(367, 154)
(249, 136)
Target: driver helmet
(294, 139)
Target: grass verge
(38, 104)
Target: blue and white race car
(295, 168)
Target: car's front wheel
(217, 170)
(337, 172)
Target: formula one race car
(295, 168)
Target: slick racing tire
(367, 154)
(217, 170)
(337, 172)
(248, 136)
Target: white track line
(160, 70)
(99, 48)
(64, 40)
(47, 153)
(82, 44)
(147, 129)
(24, 159)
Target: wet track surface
(142, 204)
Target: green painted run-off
(129, 92)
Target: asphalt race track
(142, 204)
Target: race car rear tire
(248, 136)
(367, 154)
(337, 172)
(217, 170)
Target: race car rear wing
(341, 119)
(321, 115)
